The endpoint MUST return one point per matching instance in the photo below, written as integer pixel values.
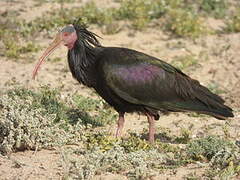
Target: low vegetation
(34, 120)
(178, 18)
(215, 8)
(31, 120)
(184, 24)
(185, 62)
(233, 22)
(222, 155)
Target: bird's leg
(120, 124)
(151, 122)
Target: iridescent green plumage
(144, 80)
(132, 81)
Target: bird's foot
(151, 138)
(118, 133)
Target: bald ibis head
(67, 36)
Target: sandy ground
(219, 63)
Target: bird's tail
(219, 113)
(211, 104)
(203, 100)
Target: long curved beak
(54, 45)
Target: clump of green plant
(133, 157)
(185, 136)
(137, 11)
(104, 142)
(226, 162)
(140, 12)
(47, 100)
(109, 23)
(217, 8)
(222, 154)
(15, 50)
(30, 120)
(100, 112)
(136, 165)
(12, 33)
(24, 124)
(192, 176)
(135, 143)
(185, 62)
(92, 13)
(101, 141)
(233, 23)
(184, 23)
(55, 1)
(51, 22)
(207, 148)
(87, 14)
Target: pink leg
(120, 124)
(151, 122)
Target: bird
(132, 81)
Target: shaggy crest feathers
(83, 55)
(88, 38)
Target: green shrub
(184, 138)
(207, 147)
(184, 23)
(141, 12)
(12, 33)
(137, 11)
(55, 1)
(217, 8)
(47, 100)
(31, 120)
(184, 62)
(23, 126)
(101, 112)
(135, 165)
(223, 155)
(233, 23)
(14, 50)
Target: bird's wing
(142, 79)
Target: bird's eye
(65, 34)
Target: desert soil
(219, 63)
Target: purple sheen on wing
(140, 73)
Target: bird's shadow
(165, 138)
(76, 115)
